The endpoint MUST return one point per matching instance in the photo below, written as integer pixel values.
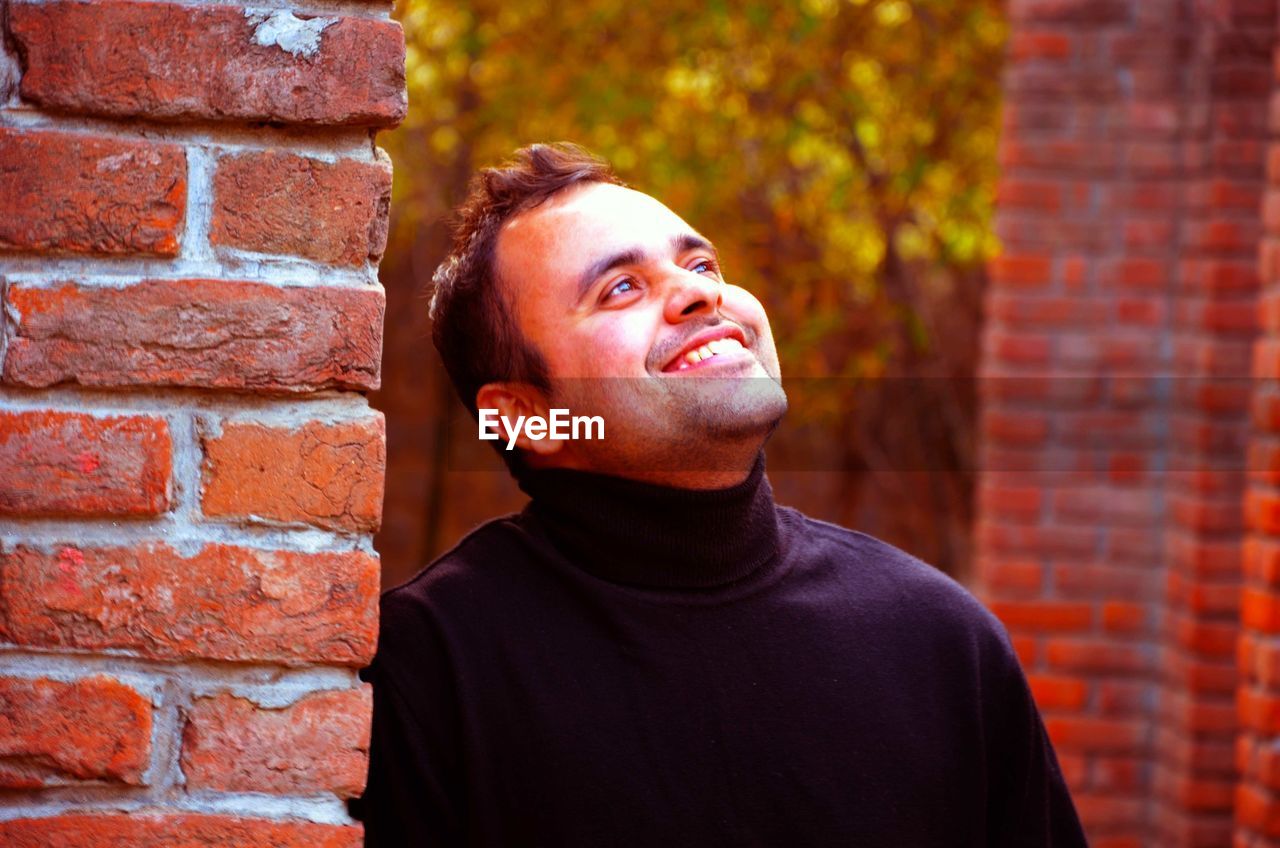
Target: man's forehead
(595, 217)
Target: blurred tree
(841, 153)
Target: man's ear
(513, 402)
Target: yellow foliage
(828, 146)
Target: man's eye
(620, 287)
(704, 266)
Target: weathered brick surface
(67, 192)
(54, 732)
(318, 744)
(162, 61)
(204, 333)
(157, 829)
(70, 463)
(325, 474)
(224, 602)
(129, 330)
(276, 202)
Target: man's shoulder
(896, 581)
(461, 570)
(870, 555)
(417, 616)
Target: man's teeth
(709, 350)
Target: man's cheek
(753, 317)
(617, 351)
(739, 301)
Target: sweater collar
(644, 534)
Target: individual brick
(1130, 698)
(1016, 428)
(1260, 609)
(1267, 767)
(86, 194)
(1011, 503)
(320, 743)
(1239, 236)
(1097, 656)
(1031, 540)
(55, 463)
(1110, 812)
(1062, 158)
(1083, 733)
(1137, 273)
(1021, 270)
(1015, 348)
(164, 61)
(1262, 511)
(1258, 660)
(1053, 692)
(156, 829)
(1198, 678)
(329, 475)
(277, 202)
(1255, 807)
(1080, 580)
(1014, 577)
(1258, 710)
(223, 602)
(1202, 796)
(1261, 561)
(204, 333)
(1041, 616)
(1030, 195)
(1043, 45)
(1122, 617)
(54, 732)
(1015, 310)
(1266, 352)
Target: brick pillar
(1110, 502)
(192, 210)
(1070, 503)
(1257, 801)
(1223, 102)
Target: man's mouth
(707, 347)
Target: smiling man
(654, 653)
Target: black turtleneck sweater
(624, 664)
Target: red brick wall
(192, 210)
(1116, 359)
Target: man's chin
(736, 408)
(737, 389)
(681, 411)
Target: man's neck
(633, 531)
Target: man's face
(625, 301)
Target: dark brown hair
(473, 327)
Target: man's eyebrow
(635, 256)
(693, 241)
(630, 256)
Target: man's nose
(692, 294)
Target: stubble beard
(728, 408)
(702, 423)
